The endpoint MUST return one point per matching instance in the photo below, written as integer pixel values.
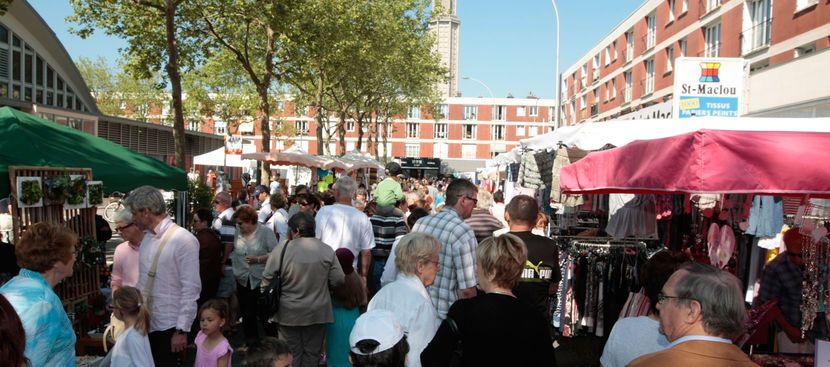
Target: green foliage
(31, 192)
(200, 196)
(77, 191)
(119, 93)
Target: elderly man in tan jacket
(701, 310)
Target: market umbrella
(28, 140)
(294, 156)
(708, 161)
(355, 160)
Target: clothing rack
(603, 242)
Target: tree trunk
(265, 127)
(179, 139)
(319, 114)
(359, 126)
(341, 132)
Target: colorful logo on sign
(709, 72)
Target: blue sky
(508, 44)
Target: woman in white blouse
(416, 259)
(251, 245)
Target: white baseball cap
(379, 325)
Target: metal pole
(492, 97)
(558, 77)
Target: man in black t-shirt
(540, 278)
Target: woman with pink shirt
(125, 260)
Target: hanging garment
(766, 216)
(631, 216)
(727, 246)
(529, 175)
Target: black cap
(393, 169)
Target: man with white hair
(174, 284)
(342, 226)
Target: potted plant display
(76, 192)
(56, 188)
(29, 192)
(95, 193)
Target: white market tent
(595, 135)
(218, 158)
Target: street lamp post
(558, 77)
(492, 97)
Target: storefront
(421, 167)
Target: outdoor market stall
(723, 169)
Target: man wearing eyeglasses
(126, 257)
(701, 311)
(781, 279)
(457, 274)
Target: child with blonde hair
(132, 347)
(212, 348)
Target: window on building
(595, 71)
(520, 111)
(414, 112)
(413, 150)
(29, 68)
(301, 127)
(534, 110)
(607, 92)
(584, 76)
(596, 96)
(760, 31)
(651, 31)
(614, 47)
(440, 150)
(533, 131)
(711, 36)
(350, 126)
(39, 71)
(613, 88)
(711, 5)
(671, 10)
(411, 130)
(628, 85)
(583, 101)
(607, 55)
(682, 44)
(629, 45)
(669, 59)
(804, 50)
(500, 113)
(497, 132)
(649, 81)
(804, 4)
(440, 131)
(470, 112)
(684, 7)
(219, 127)
(468, 131)
(520, 130)
(468, 151)
(444, 111)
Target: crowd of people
(406, 273)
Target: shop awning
(28, 140)
(596, 135)
(708, 161)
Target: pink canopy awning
(709, 161)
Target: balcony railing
(757, 37)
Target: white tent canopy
(218, 158)
(595, 135)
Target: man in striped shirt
(387, 226)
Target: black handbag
(270, 299)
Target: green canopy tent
(27, 140)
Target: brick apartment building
(785, 41)
(470, 131)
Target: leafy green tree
(159, 34)
(118, 93)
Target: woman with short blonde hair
(496, 320)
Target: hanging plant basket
(76, 193)
(56, 189)
(95, 193)
(29, 192)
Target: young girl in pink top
(212, 349)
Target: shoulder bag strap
(151, 275)
(282, 256)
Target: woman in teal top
(345, 302)
(46, 254)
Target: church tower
(446, 29)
